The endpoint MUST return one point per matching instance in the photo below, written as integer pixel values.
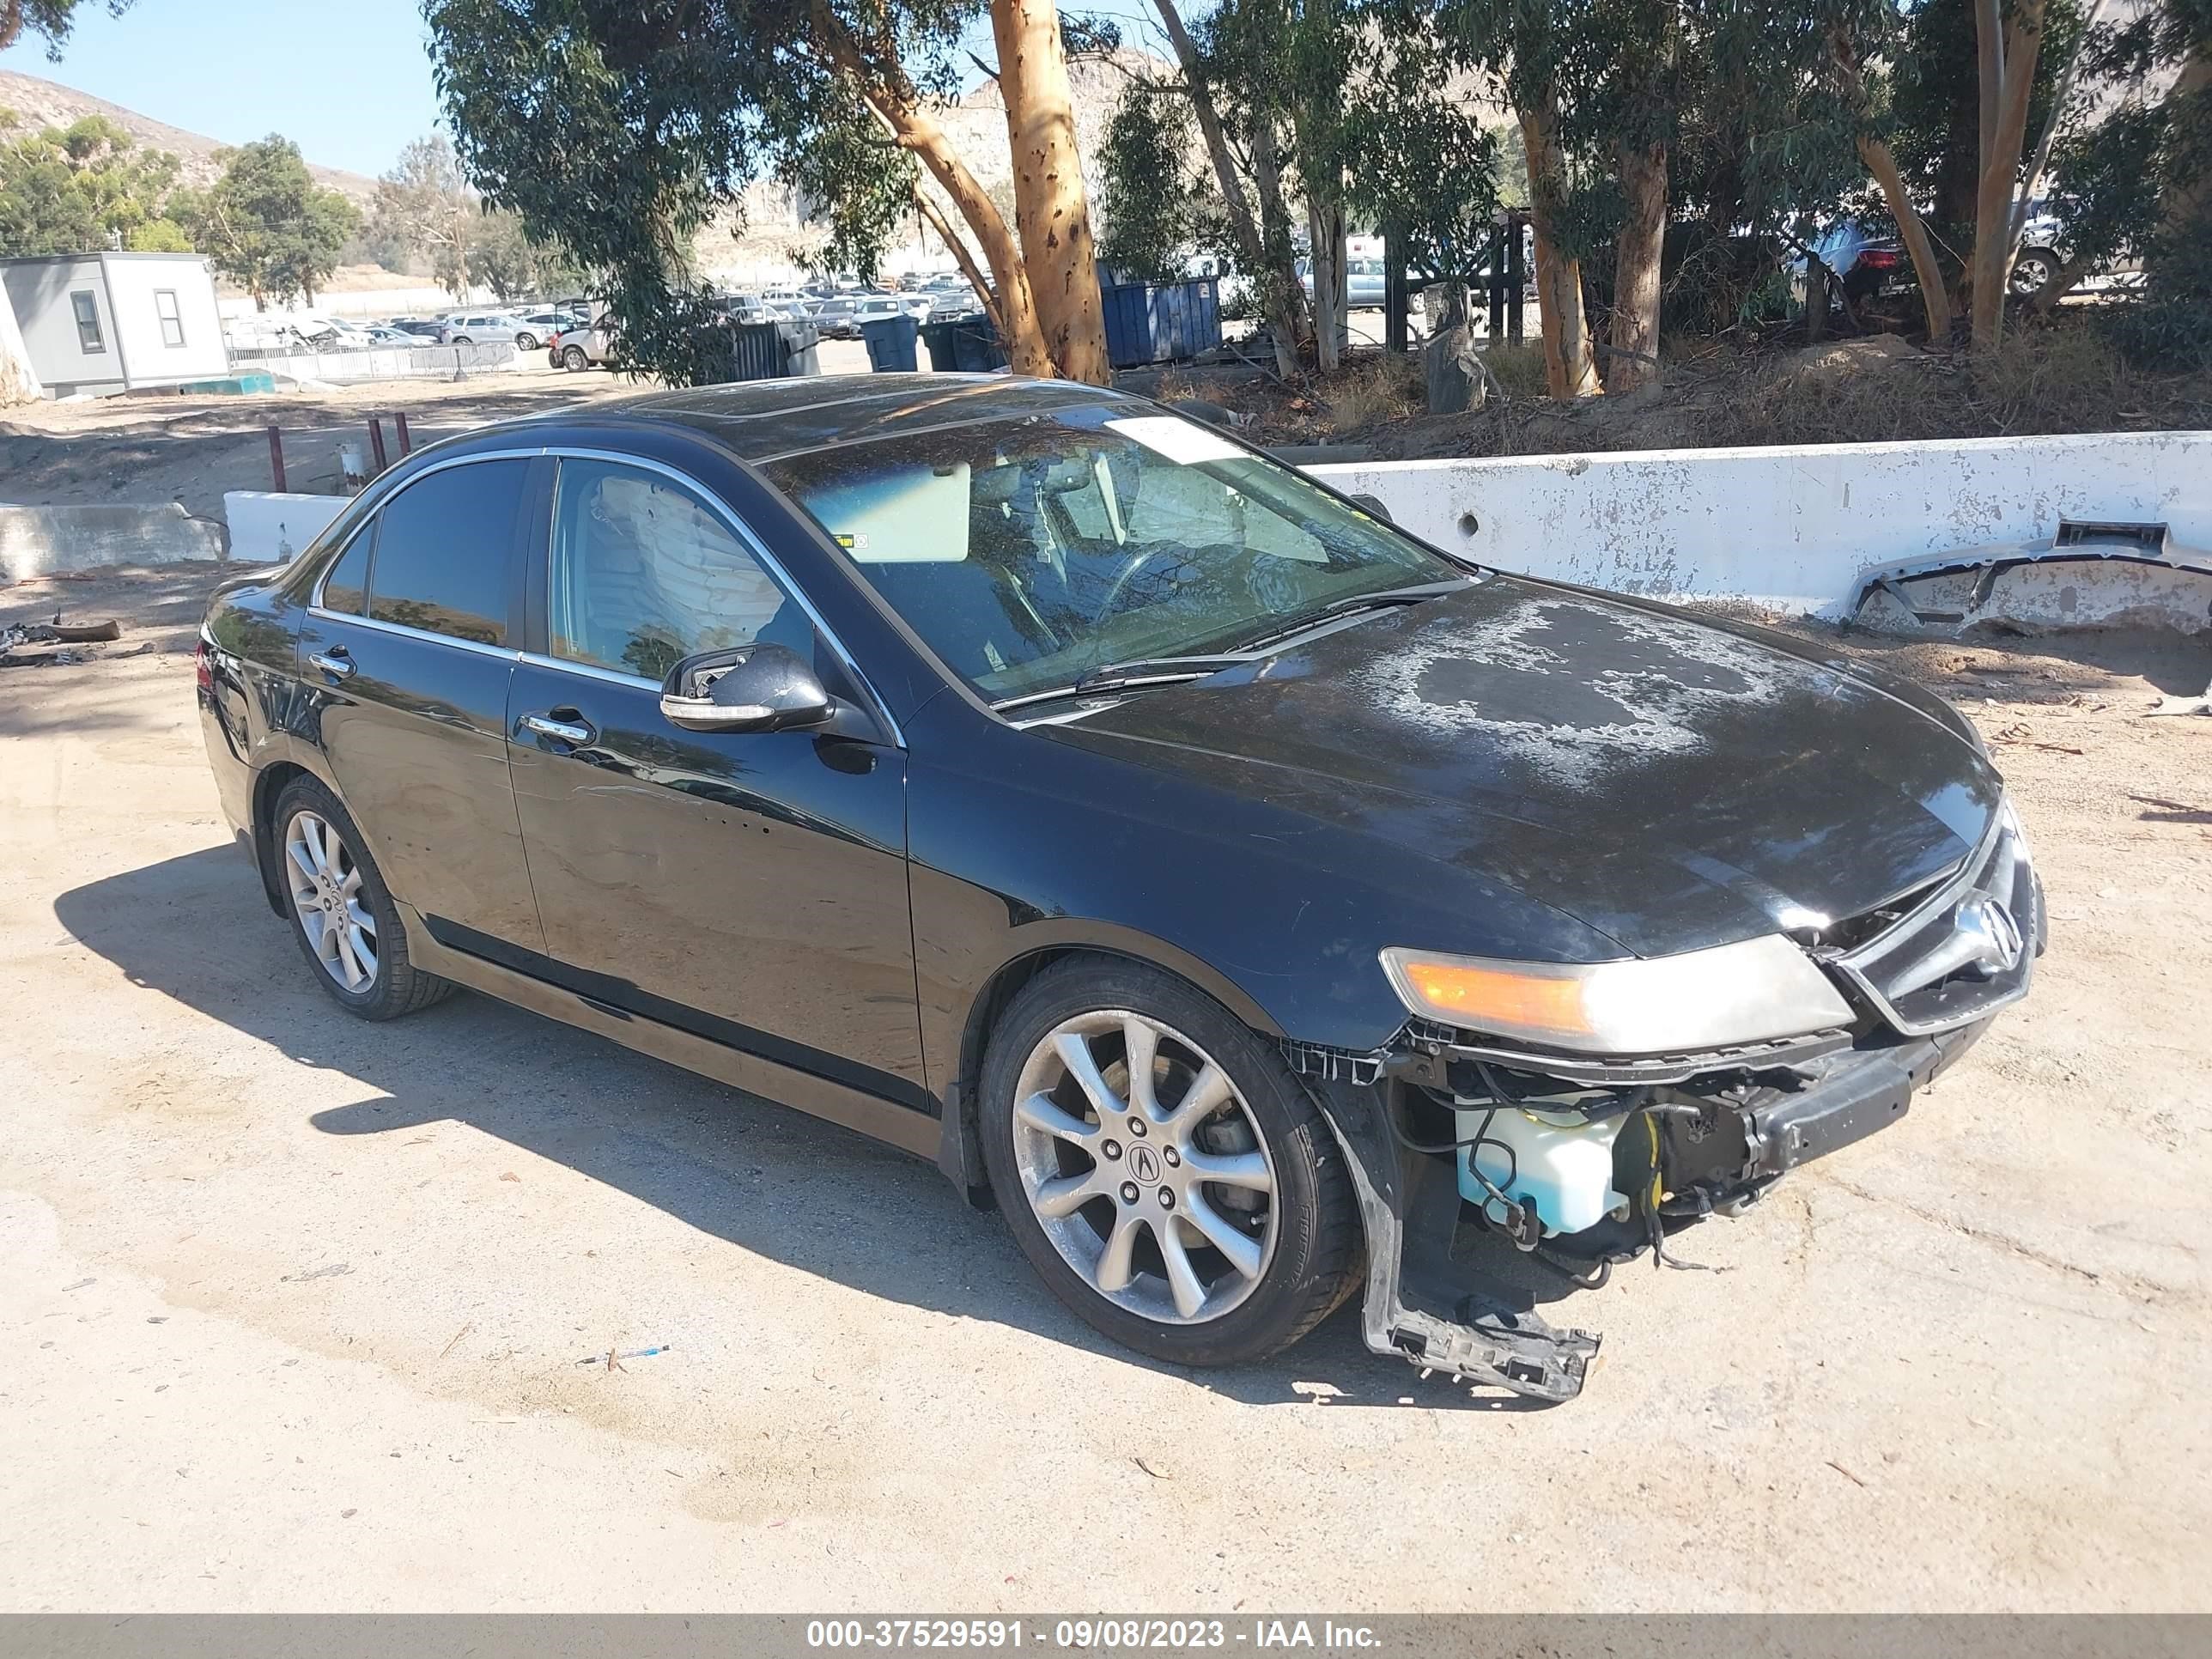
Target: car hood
(1672, 784)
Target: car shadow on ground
(770, 1180)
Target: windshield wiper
(1381, 600)
(1137, 671)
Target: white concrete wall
(267, 528)
(38, 541)
(1787, 529)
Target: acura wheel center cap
(1144, 1164)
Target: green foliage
(49, 18)
(65, 190)
(266, 224)
(428, 216)
(617, 130)
(1154, 201)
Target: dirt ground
(301, 1310)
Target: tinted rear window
(346, 588)
(444, 548)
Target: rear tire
(343, 916)
(1242, 1233)
(573, 359)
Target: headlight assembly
(1749, 992)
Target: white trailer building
(104, 322)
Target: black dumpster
(891, 344)
(964, 345)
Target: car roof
(761, 420)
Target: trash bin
(937, 335)
(891, 344)
(801, 353)
(756, 352)
(1161, 322)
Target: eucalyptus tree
(617, 130)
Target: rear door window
(445, 550)
(346, 588)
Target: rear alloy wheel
(342, 914)
(573, 360)
(1162, 1169)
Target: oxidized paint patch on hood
(1574, 690)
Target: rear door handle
(574, 732)
(334, 662)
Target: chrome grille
(1964, 952)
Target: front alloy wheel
(1165, 1172)
(1144, 1167)
(326, 894)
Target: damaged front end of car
(1580, 1157)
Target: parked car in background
(580, 348)
(383, 334)
(835, 317)
(424, 327)
(491, 328)
(547, 322)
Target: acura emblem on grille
(1995, 934)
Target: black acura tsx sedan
(1251, 899)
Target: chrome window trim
(508, 653)
(752, 543)
(315, 599)
(590, 670)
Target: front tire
(342, 915)
(1162, 1170)
(525, 343)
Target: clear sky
(350, 84)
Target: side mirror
(761, 687)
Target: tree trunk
(1919, 246)
(892, 96)
(1243, 228)
(1282, 296)
(2004, 131)
(1325, 234)
(1569, 369)
(960, 257)
(19, 381)
(1637, 250)
(1051, 208)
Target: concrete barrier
(1787, 529)
(40, 541)
(267, 528)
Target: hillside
(38, 103)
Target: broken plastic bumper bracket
(1418, 1304)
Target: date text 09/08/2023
(1089, 1634)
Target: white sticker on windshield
(1185, 442)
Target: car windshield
(1030, 553)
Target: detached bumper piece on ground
(1437, 1128)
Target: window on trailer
(172, 322)
(88, 337)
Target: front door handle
(574, 732)
(334, 662)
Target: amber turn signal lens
(1492, 999)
